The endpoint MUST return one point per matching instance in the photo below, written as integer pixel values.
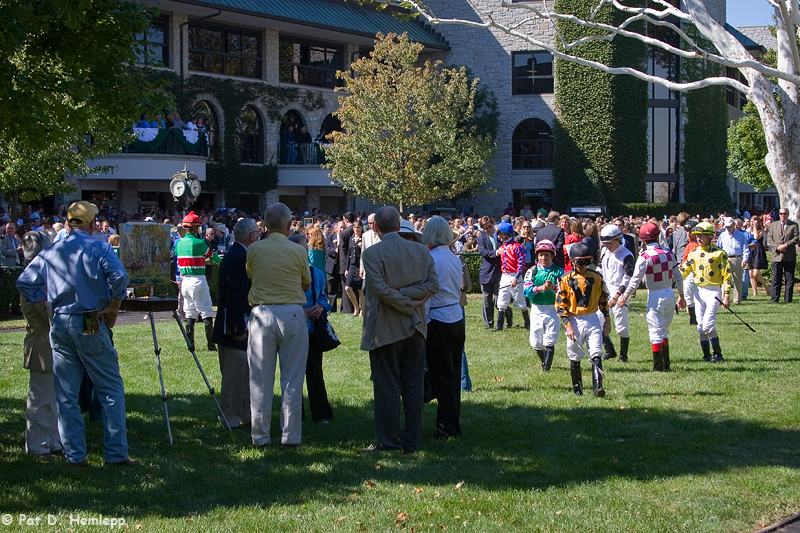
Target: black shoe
(527, 318)
(126, 462)
(378, 447)
(623, 349)
(83, 464)
(288, 447)
(540, 353)
(707, 357)
(718, 358)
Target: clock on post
(185, 187)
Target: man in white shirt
(736, 244)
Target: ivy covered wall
(232, 95)
(600, 134)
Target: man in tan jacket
(400, 278)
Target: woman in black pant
(316, 305)
(446, 334)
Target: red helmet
(649, 232)
(191, 220)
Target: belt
(734, 256)
(269, 305)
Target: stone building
(298, 45)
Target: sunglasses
(783, 213)
(582, 262)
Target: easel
(155, 305)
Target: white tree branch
(791, 31)
(739, 59)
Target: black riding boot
(611, 352)
(577, 380)
(692, 316)
(210, 333)
(527, 318)
(548, 358)
(540, 353)
(665, 356)
(499, 325)
(509, 316)
(597, 378)
(658, 362)
(717, 352)
(623, 349)
(190, 332)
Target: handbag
(324, 334)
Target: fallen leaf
(673, 396)
(443, 528)
(377, 467)
(340, 519)
(417, 490)
(622, 407)
(137, 526)
(370, 484)
(459, 484)
(353, 496)
(402, 516)
(558, 512)
(436, 493)
(498, 379)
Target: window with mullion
(151, 47)
(306, 62)
(225, 50)
(532, 73)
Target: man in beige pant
(280, 275)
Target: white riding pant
(508, 293)
(588, 337)
(196, 297)
(660, 311)
(544, 326)
(706, 304)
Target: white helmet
(610, 232)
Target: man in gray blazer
(10, 246)
(782, 237)
(400, 278)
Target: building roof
(351, 17)
(746, 41)
(762, 35)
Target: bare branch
(747, 62)
(668, 11)
(791, 30)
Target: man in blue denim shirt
(736, 244)
(75, 276)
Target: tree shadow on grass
(503, 447)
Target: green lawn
(702, 448)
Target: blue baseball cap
(505, 227)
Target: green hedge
(656, 210)
(474, 266)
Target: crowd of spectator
(173, 121)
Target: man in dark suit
(555, 234)
(343, 253)
(490, 269)
(782, 237)
(11, 246)
(230, 328)
(332, 265)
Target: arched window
(532, 145)
(205, 110)
(251, 132)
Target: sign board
(307, 221)
(587, 210)
(534, 192)
(145, 251)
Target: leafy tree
(411, 135)
(747, 150)
(67, 89)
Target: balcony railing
(168, 141)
